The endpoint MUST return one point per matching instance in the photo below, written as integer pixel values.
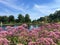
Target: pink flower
(4, 41)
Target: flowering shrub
(48, 34)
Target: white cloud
(47, 9)
(37, 10)
(9, 4)
(42, 9)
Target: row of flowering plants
(47, 34)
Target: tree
(27, 18)
(16, 21)
(4, 19)
(34, 21)
(21, 18)
(57, 15)
(0, 18)
(11, 18)
(41, 19)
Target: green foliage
(11, 18)
(4, 19)
(51, 18)
(13, 40)
(34, 22)
(55, 17)
(20, 18)
(27, 18)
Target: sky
(35, 8)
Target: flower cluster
(47, 34)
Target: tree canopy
(55, 17)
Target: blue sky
(36, 8)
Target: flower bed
(48, 34)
